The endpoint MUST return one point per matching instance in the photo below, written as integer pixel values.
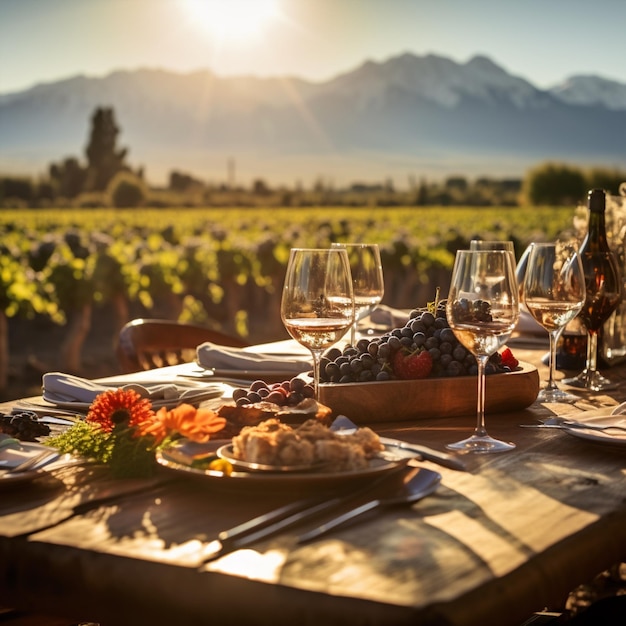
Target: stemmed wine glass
(482, 309)
(317, 306)
(367, 280)
(554, 294)
(603, 295)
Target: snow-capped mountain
(407, 116)
(592, 91)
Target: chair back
(145, 344)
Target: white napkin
(386, 316)
(59, 387)
(214, 356)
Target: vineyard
(84, 273)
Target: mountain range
(409, 116)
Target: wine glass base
(556, 395)
(481, 444)
(590, 380)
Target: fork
(601, 427)
(570, 423)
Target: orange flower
(195, 424)
(119, 406)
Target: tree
(103, 159)
(126, 190)
(69, 177)
(555, 184)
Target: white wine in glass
(554, 293)
(367, 280)
(317, 305)
(482, 310)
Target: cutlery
(344, 425)
(561, 423)
(35, 462)
(419, 486)
(272, 522)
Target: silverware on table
(418, 487)
(561, 423)
(342, 424)
(284, 517)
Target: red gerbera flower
(119, 406)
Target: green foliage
(104, 161)
(228, 266)
(127, 456)
(555, 184)
(126, 191)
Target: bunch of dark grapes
(24, 426)
(288, 393)
(372, 359)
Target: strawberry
(508, 360)
(411, 366)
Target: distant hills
(410, 116)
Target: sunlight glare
(233, 20)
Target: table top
(512, 535)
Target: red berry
(413, 365)
(508, 359)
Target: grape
(285, 393)
(371, 359)
(24, 426)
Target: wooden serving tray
(402, 400)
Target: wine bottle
(602, 274)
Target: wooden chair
(145, 344)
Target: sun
(233, 20)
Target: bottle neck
(596, 231)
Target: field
(70, 278)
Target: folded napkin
(214, 356)
(386, 316)
(59, 387)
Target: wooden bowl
(403, 400)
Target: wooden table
(509, 537)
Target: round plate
(178, 459)
(612, 437)
(10, 456)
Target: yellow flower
(185, 420)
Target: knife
(343, 424)
(291, 514)
(425, 453)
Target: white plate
(613, 437)
(11, 456)
(178, 458)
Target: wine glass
(507, 246)
(603, 295)
(317, 306)
(482, 309)
(367, 280)
(554, 294)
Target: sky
(543, 41)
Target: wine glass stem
(353, 334)
(554, 338)
(592, 351)
(481, 431)
(317, 356)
